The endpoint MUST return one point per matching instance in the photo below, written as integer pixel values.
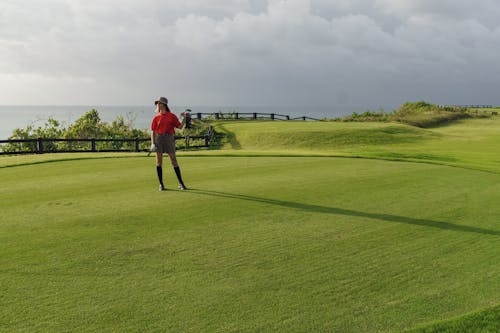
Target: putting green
(287, 244)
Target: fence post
(39, 146)
(92, 144)
(136, 145)
(208, 135)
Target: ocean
(12, 117)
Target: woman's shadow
(348, 212)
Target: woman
(162, 139)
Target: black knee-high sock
(159, 171)
(178, 174)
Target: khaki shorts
(165, 143)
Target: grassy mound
(419, 114)
(470, 143)
(316, 136)
(422, 114)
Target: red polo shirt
(165, 123)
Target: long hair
(166, 107)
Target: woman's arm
(183, 122)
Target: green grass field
(290, 227)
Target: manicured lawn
(260, 243)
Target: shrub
(368, 115)
(88, 126)
(51, 129)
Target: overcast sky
(371, 53)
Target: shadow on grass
(349, 212)
(230, 137)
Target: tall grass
(420, 114)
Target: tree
(88, 126)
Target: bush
(368, 115)
(88, 126)
(51, 129)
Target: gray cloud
(240, 52)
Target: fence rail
(49, 145)
(247, 115)
(470, 106)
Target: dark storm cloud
(359, 52)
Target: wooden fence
(246, 115)
(49, 145)
(55, 145)
(469, 106)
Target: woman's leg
(173, 160)
(159, 171)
